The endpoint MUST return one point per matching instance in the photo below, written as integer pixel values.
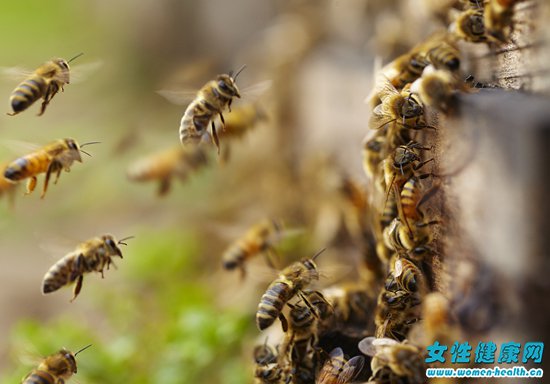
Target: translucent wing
(384, 88)
(398, 268)
(15, 73)
(254, 91)
(19, 147)
(181, 97)
(82, 72)
(380, 117)
(327, 372)
(351, 369)
(371, 345)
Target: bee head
(62, 363)
(226, 86)
(62, 74)
(74, 149)
(411, 108)
(112, 245)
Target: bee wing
(351, 369)
(326, 374)
(82, 72)
(384, 88)
(254, 91)
(181, 97)
(14, 73)
(19, 147)
(380, 117)
(371, 345)
(398, 268)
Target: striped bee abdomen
(64, 272)
(27, 93)
(39, 377)
(272, 303)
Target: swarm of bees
(374, 327)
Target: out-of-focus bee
(438, 323)
(259, 239)
(392, 360)
(405, 69)
(264, 353)
(270, 373)
(470, 26)
(54, 369)
(373, 154)
(498, 16)
(291, 280)
(353, 307)
(212, 99)
(92, 255)
(242, 119)
(44, 83)
(435, 88)
(444, 55)
(52, 158)
(178, 162)
(338, 370)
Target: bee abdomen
(27, 93)
(16, 170)
(271, 303)
(39, 377)
(62, 273)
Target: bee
(270, 374)
(470, 26)
(392, 360)
(405, 69)
(373, 154)
(92, 255)
(408, 276)
(338, 370)
(397, 108)
(242, 119)
(396, 311)
(52, 158)
(178, 162)
(498, 21)
(444, 55)
(54, 369)
(44, 83)
(259, 239)
(438, 323)
(264, 354)
(435, 88)
(406, 238)
(413, 196)
(352, 305)
(291, 280)
(211, 100)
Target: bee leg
(31, 185)
(243, 272)
(57, 175)
(77, 287)
(420, 165)
(164, 187)
(215, 137)
(308, 304)
(284, 322)
(53, 167)
(11, 113)
(269, 253)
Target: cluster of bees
(393, 311)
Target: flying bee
(212, 99)
(92, 255)
(44, 83)
(54, 369)
(242, 119)
(291, 280)
(338, 370)
(178, 162)
(52, 158)
(470, 26)
(7, 187)
(259, 239)
(393, 360)
(498, 16)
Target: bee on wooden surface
(44, 83)
(393, 361)
(338, 370)
(259, 239)
(291, 280)
(436, 88)
(373, 154)
(52, 158)
(413, 196)
(444, 55)
(398, 108)
(163, 166)
(405, 69)
(92, 255)
(54, 369)
(470, 26)
(498, 16)
(211, 101)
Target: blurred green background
(168, 314)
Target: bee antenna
(77, 56)
(318, 253)
(86, 153)
(121, 241)
(238, 72)
(90, 143)
(86, 347)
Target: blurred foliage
(161, 327)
